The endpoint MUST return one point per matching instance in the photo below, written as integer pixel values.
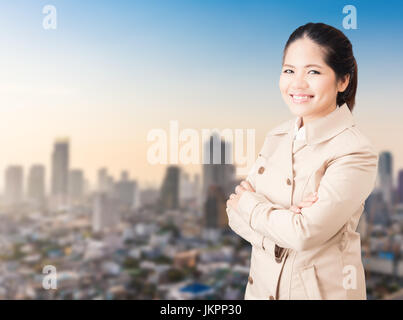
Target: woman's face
(306, 83)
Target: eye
(316, 72)
(285, 71)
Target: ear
(343, 83)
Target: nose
(299, 82)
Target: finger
(247, 185)
(309, 201)
(303, 204)
(295, 209)
(311, 197)
(232, 196)
(239, 189)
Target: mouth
(301, 98)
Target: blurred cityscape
(117, 241)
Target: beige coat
(315, 254)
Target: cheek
(283, 84)
(323, 86)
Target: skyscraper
(60, 171)
(169, 194)
(198, 192)
(124, 190)
(217, 169)
(400, 186)
(186, 189)
(136, 196)
(36, 184)
(105, 212)
(385, 176)
(14, 185)
(102, 179)
(76, 185)
(215, 215)
(105, 183)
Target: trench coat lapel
(316, 131)
(325, 128)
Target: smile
(301, 98)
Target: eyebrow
(307, 66)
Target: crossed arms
(347, 182)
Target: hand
(239, 190)
(307, 202)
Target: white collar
(299, 133)
(320, 129)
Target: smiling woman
(301, 202)
(319, 72)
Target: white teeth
(301, 99)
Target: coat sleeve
(240, 224)
(241, 228)
(346, 183)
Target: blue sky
(114, 69)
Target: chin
(300, 110)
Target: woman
(301, 203)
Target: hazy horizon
(113, 71)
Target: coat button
(288, 181)
(277, 253)
(261, 170)
(250, 280)
(272, 298)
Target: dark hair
(338, 55)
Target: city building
(14, 188)
(60, 172)
(36, 191)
